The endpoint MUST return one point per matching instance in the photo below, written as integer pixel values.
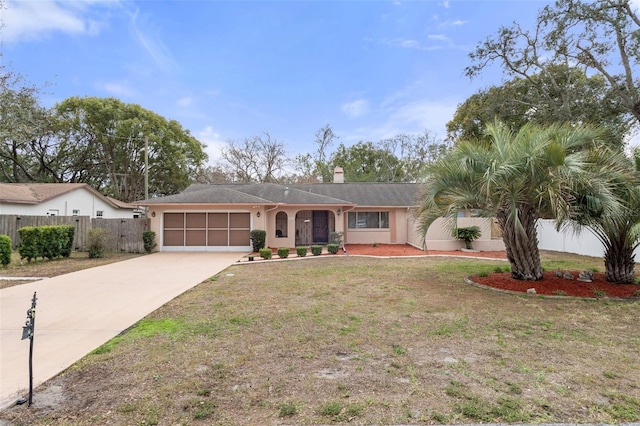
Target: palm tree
(517, 177)
(619, 233)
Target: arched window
(281, 225)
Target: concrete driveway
(80, 311)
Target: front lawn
(357, 340)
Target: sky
(229, 70)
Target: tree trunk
(522, 249)
(619, 262)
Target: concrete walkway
(80, 311)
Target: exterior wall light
(258, 214)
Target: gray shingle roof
(210, 194)
(369, 193)
(359, 194)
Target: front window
(368, 220)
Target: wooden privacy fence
(126, 234)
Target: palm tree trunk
(522, 249)
(619, 261)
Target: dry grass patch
(356, 340)
(51, 268)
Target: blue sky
(233, 69)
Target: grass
(364, 341)
(52, 268)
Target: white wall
(439, 234)
(80, 199)
(584, 243)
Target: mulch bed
(552, 285)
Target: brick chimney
(338, 175)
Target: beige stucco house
(219, 217)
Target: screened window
(368, 220)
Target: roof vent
(338, 175)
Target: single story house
(61, 199)
(219, 217)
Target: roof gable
(36, 193)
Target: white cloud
(33, 20)
(413, 117)
(446, 4)
(440, 42)
(438, 37)
(356, 108)
(185, 102)
(213, 141)
(119, 89)
(455, 23)
(151, 43)
(635, 5)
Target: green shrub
(258, 239)
(283, 252)
(45, 241)
(468, 235)
(316, 250)
(336, 237)
(149, 240)
(5, 250)
(67, 246)
(97, 240)
(30, 247)
(333, 248)
(301, 251)
(265, 253)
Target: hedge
(45, 241)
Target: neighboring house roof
(36, 193)
(360, 194)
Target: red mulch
(552, 285)
(407, 250)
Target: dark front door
(320, 227)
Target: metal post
(27, 333)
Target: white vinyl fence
(584, 243)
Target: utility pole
(146, 167)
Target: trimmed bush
(5, 250)
(316, 250)
(30, 247)
(333, 248)
(301, 251)
(283, 252)
(45, 241)
(149, 240)
(258, 239)
(97, 241)
(67, 246)
(265, 253)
